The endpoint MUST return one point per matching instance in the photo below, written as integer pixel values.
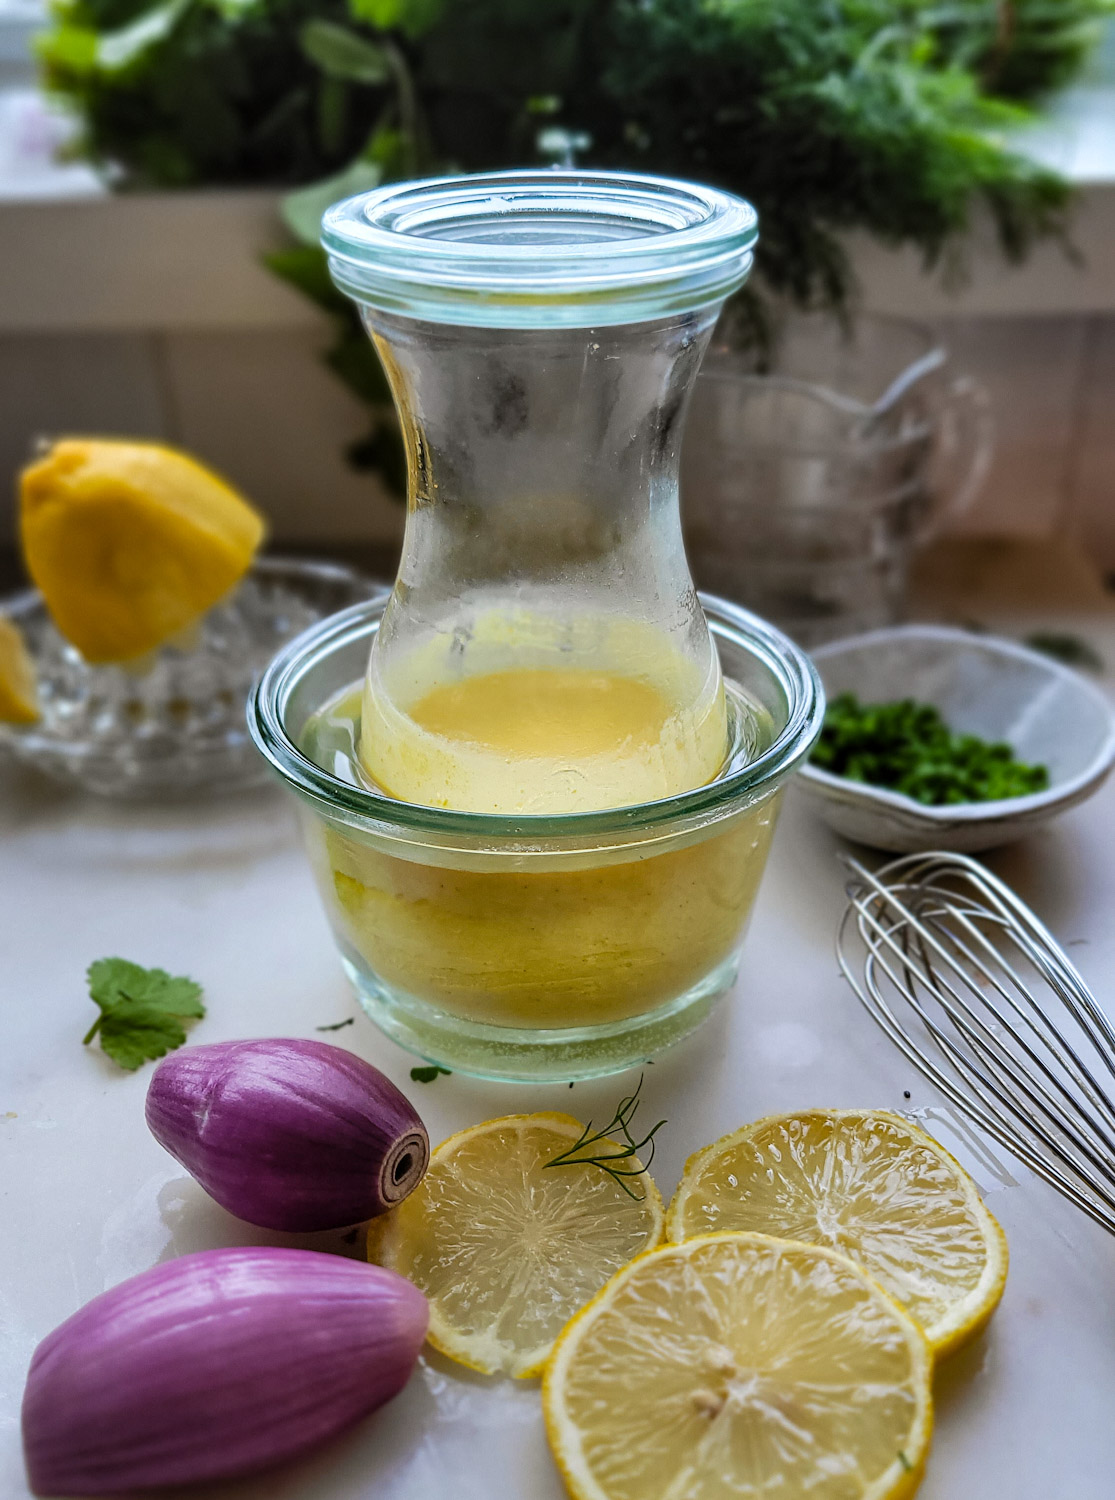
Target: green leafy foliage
(411, 17)
(142, 1010)
(302, 210)
(202, 91)
(342, 53)
(828, 113)
(124, 48)
(1018, 48)
(830, 127)
(907, 747)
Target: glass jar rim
(790, 666)
(541, 248)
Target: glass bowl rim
(790, 666)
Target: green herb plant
(907, 747)
(1018, 50)
(888, 116)
(601, 1149)
(142, 1010)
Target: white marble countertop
(221, 891)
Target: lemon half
(19, 694)
(130, 542)
(507, 1249)
(866, 1183)
(740, 1367)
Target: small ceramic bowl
(982, 685)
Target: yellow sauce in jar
(537, 717)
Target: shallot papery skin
(215, 1365)
(288, 1134)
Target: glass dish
(173, 724)
(808, 488)
(537, 947)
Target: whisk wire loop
(975, 991)
(1047, 1122)
(969, 1072)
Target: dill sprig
(585, 1153)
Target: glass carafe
(555, 883)
(541, 332)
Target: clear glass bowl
(544, 947)
(173, 724)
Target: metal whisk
(982, 999)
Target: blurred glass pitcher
(806, 490)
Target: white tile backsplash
(96, 383)
(262, 408)
(1090, 501)
(1032, 371)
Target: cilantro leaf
(131, 1034)
(142, 1010)
(112, 980)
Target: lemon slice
(19, 695)
(869, 1184)
(506, 1249)
(130, 543)
(737, 1366)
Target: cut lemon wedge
(740, 1367)
(507, 1249)
(130, 543)
(866, 1183)
(19, 694)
